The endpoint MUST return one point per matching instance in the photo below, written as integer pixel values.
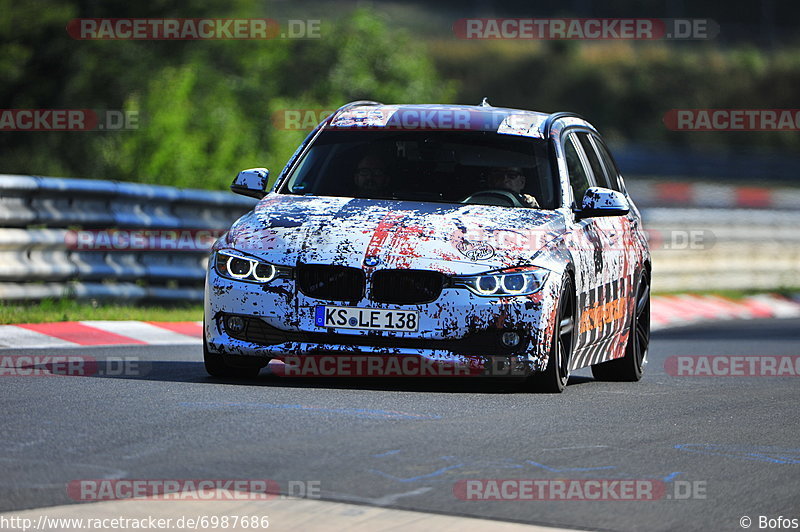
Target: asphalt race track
(723, 447)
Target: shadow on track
(194, 372)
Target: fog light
(510, 339)
(234, 324)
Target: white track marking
(144, 332)
(285, 513)
(13, 336)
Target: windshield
(453, 167)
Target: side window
(608, 162)
(578, 178)
(600, 176)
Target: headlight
(513, 282)
(232, 265)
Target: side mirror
(599, 201)
(252, 182)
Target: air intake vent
(338, 283)
(406, 287)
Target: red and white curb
(702, 195)
(686, 309)
(89, 333)
(666, 312)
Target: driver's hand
(529, 200)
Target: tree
(204, 107)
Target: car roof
(373, 115)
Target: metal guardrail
(693, 249)
(724, 249)
(704, 195)
(38, 215)
(739, 165)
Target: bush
(626, 88)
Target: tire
(555, 376)
(630, 368)
(216, 366)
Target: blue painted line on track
(420, 477)
(357, 412)
(559, 470)
(387, 453)
(758, 453)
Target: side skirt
(602, 351)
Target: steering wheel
(495, 196)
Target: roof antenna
(485, 102)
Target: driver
(512, 178)
(370, 177)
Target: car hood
(451, 238)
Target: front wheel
(217, 367)
(630, 368)
(555, 376)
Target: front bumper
(458, 328)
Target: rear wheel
(555, 376)
(631, 367)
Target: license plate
(367, 318)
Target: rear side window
(599, 172)
(608, 162)
(578, 178)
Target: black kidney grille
(406, 287)
(322, 281)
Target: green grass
(68, 310)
